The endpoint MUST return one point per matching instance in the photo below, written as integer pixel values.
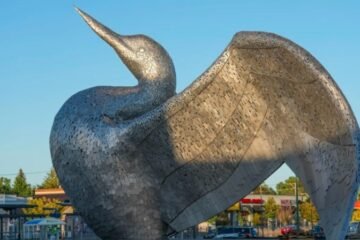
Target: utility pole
(262, 213)
(297, 207)
(311, 218)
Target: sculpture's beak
(112, 38)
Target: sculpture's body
(138, 166)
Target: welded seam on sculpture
(330, 92)
(169, 105)
(216, 135)
(230, 175)
(324, 76)
(284, 79)
(164, 107)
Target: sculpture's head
(145, 58)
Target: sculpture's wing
(264, 102)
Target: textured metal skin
(138, 163)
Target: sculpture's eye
(141, 53)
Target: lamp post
(297, 207)
(262, 213)
(311, 217)
(297, 214)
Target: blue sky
(47, 54)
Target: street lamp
(297, 207)
(297, 214)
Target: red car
(288, 230)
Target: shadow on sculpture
(140, 163)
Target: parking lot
(257, 238)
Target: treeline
(22, 188)
(287, 187)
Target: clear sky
(47, 53)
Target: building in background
(52, 193)
(75, 227)
(11, 216)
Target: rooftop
(8, 202)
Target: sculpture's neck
(163, 89)
(128, 103)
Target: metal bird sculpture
(141, 162)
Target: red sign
(357, 205)
(285, 202)
(252, 201)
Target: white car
(235, 232)
(227, 236)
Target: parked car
(226, 236)
(235, 232)
(247, 232)
(353, 231)
(290, 230)
(226, 233)
(318, 232)
(211, 234)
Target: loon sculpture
(142, 162)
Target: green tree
(51, 180)
(264, 189)
(309, 212)
(45, 206)
(212, 220)
(256, 219)
(222, 219)
(287, 187)
(21, 187)
(5, 185)
(355, 215)
(271, 208)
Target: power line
(26, 173)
